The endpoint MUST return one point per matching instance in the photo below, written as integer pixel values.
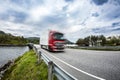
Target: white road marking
(76, 68)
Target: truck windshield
(59, 36)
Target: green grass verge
(97, 48)
(26, 68)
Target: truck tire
(42, 46)
(49, 48)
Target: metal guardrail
(53, 69)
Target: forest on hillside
(99, 40)
(7, 38)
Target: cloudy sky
(75, 18)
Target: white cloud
(11, 18)
(37, 13)
(8, 5)
(48, 8)
(73, 29)
(17, 29)
(78, 4)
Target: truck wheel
(42, 46)
(49, 48)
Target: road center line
(75, 67)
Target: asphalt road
(88, 64)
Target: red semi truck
(52, 41)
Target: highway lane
(103, 64)
(75, 72)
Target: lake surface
(10, 53)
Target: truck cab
(56, 41)
(52, 41)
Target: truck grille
(59, 44)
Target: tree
(99, 40)
(7, 38)
(87, 41)
(103, 40)
(80, 42)
(94, 40)
(115, 41)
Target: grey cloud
(116, 24)
(95, 14)
(100, 2)
(107, 29)
(69, 0)
(113, 14)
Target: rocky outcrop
(5, 68)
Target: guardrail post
(30, 46)
(50, 70)
(36, 51)
(39, 57)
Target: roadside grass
(105, 49)
(26, 68)
(98, 48)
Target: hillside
(34, 40)
(7, 38)
(1, 32)
(68, 41)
